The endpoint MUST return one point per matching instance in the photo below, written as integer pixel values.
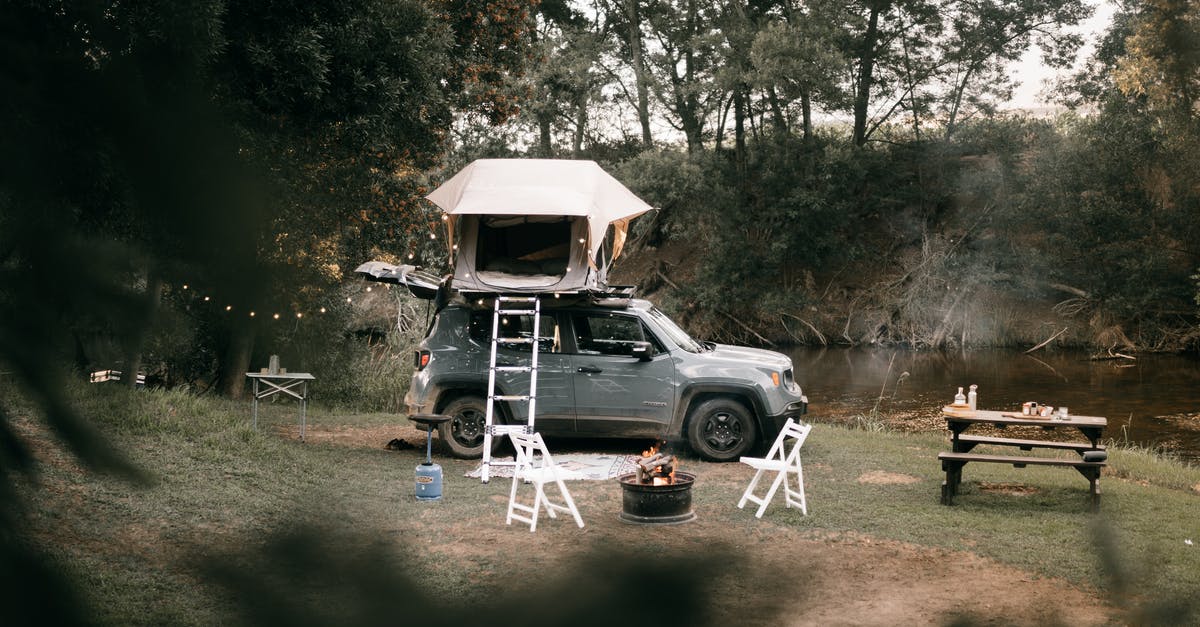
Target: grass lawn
(239, 524)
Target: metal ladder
(532, 306)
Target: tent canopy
(543, 187)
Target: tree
(1161, 63)
(797, 61)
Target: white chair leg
(512, 498)
(770, 494)
(800, 489)
(570, 503)
(750, 489)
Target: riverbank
(257, 525)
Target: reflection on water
(1152, 401)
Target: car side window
(549, 340)
(609, 334)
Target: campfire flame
(656, 468)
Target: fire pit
(657, 494)
(649, 504)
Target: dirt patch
(764, 573)
(879, 477)
(361, 437)
(1011, 489)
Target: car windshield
(677, 335)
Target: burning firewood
(654, 461)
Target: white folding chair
(535, 465)
(784, 462)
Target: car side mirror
(642, 350)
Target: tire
(721, 430)
(463, 434)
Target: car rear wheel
(463, 433)
(721, 430)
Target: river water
(1151, 401)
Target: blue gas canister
(429, 474)
(429, 481)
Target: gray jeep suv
(622, 371)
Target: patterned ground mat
(576, 466)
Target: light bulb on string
(368, 288)
(299, 314)
(228, 307)
(322, 310)
(276, 316)
(185, 286)
(252, 314)
(206, 299)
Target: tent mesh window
(521, 245)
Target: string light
(300, 315)
(433, 236)
(411, 255)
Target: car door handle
(590, 370)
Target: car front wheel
(721, 430)
(463, 433)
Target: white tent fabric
(546, 187)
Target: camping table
(959, 420)
(294, 384)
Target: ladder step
(515, 340)
(516, 312)
(499, 397)
(517, 299)
(514, 368)
(505, 430)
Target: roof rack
(612, 296)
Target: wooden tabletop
(963, 414)
(289, 375)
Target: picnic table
(1089, 461)
(294, 384)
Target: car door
(616, 394)
(555, 408)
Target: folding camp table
(294, 384)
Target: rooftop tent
(535, 225)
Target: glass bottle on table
(960, 399)
(973, 397)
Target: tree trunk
(639, 69)
(235, 359)
(777, 111)
(866, 72)
(581, 122)
(545, 147)
(739, 127)
(133, 356)
(806, 114)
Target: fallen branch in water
(1047, 341)
(1111, 355)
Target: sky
(1033, 74)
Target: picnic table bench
(1091, 458)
